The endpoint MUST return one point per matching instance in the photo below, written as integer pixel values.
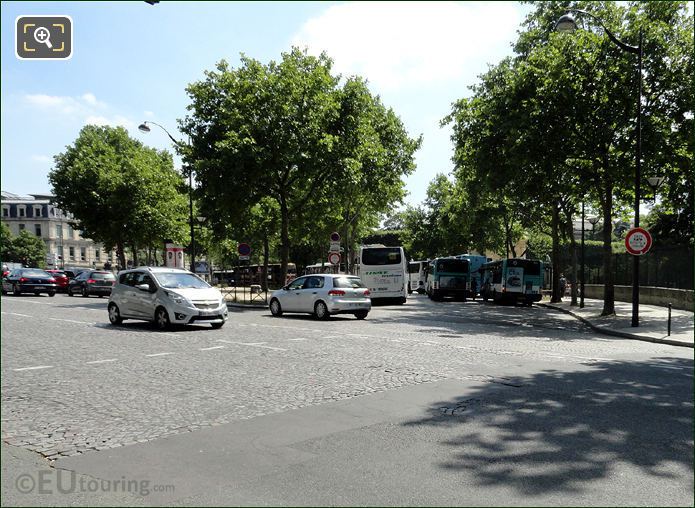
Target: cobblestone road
(72, 383)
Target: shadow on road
(558, 431)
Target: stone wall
(680, 298)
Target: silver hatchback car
(323, 296)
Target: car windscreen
(102, 276)
(381, 256)
(347, 282)
(35, 273)
(452, 265)
(180, 281)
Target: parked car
(92, 282)
(29, 280)
(61, 278)
(323, 295)
(166, 296)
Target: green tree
(5, 243)
(119, 192)
(28, 249)
(289, 132)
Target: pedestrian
(563, 285)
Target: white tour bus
(417, 273)
(384, 271)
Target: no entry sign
(334, 258)
(638, 241)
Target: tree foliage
(119, 192)
(288, 131)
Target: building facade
(65, 246)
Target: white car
(323, 295)
(165, 296)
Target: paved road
(73, 384)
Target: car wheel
(321, 311)
(51, 293)
(3, 290)
(275, 307)
(70, 291)
(161, 319)
(15, 290)
(361, 314)
(217, 326)
(115, 315)
(85, 292)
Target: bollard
(669, 320)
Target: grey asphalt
(425, 404)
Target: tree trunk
(120, 253)
(284, 236)
(135, 255)
(556, 297)
(574, 268)
(608, 278)
(266, 254)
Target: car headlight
(178, 299)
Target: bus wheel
(402, 300)
(495, 298)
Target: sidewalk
(653, 321)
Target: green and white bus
(448, 277)
(512, 281)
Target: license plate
(207, 313)
(39, 287)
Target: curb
(614, 333)
(247, 306)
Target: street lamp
(567, 24)
(581, 285)
(655, 182)
(143, 127)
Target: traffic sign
(638, 241)
(334, 258)
(335, 237)
(244, 258)
(335, 247)
(244, 249)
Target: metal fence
(665, 266)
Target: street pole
(638, 172)
(190, 219)
(566, 23)
(581, 286)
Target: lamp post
(566, 23)
(655, 182)
(143, 127)
(581, 284)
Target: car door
(124, 296)
(309, 293)
(144, 301)
(289, 298)
(75, 284)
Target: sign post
(244, 250)
(334, 258)
(638, 241)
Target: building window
(22, 211)
(97, 254)
(37, 212)
(21, 227)
(69, 231)
(83, 254)
(5, 211)
(37, 230)
(72, 253)
(59, 231)
(53, 212)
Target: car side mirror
(143, 287)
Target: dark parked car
(61, 278)
(92, 282)
(29, 280)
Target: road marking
(159, 354)
(34, 368)
(210, 348)
(27, 301)
(252, 344)
(16, 314)
(297, 339)
(71, 321)
(103, 361)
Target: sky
(132, 62)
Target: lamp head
(566, 23)
(655, 181)
(143, 127)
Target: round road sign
(334, 258)
(335, 237)
(244, 249)
(638, 241)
